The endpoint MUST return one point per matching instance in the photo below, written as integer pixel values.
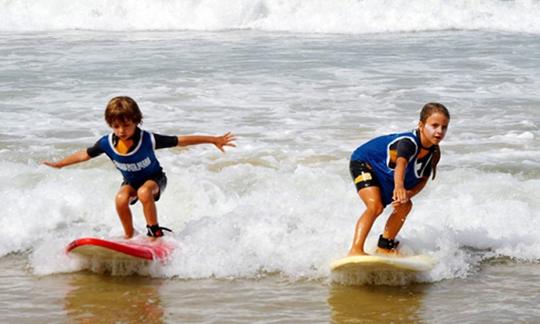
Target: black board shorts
(362, 175)
(161, 180)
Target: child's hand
(400, 196)
(52, 164)
(225, 140)
(76, 157)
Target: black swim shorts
(362, 175)
(160, 178)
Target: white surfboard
(415, 263)
(380, 270)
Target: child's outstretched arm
(76, 157)
(219, 141)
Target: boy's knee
(144, 194)
(122, 198)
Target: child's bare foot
(387, 252)
(153, 238)
(133, 233)
(354, 252)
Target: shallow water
(500, 291)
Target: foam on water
(238, 219)
(321, 16)
(282, 201)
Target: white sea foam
(243, 219)
(320, 16)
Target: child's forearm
(219, 141)
(416, 189)
(187, 140)
(399, 173)
(76, 157)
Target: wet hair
(123, 109)
(429, 109)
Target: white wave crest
(317, 16)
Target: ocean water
(301, 84)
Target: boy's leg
(122, 208)
(371, 196)
(146, 194)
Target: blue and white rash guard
(381, 154)
(140, 163)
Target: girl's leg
(122, 208)
(394, 224)
(396, 220)
(371, 196)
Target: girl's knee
(408, 205)
(376, 208)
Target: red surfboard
(142, 249)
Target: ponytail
(435, 160)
